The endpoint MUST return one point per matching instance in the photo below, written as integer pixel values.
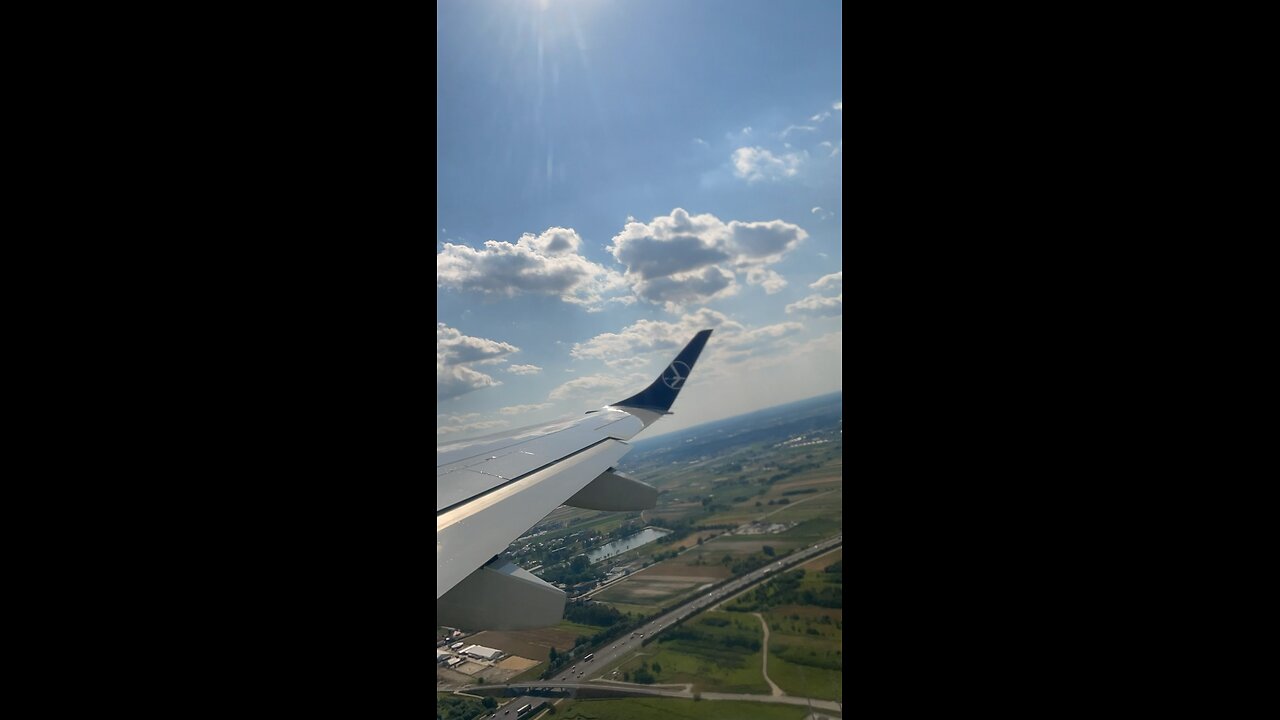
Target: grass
(707, 663)
(662, 708)
(803, 680)
(801, 662)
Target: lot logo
(673, 377)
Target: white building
(482, 652)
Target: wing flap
(501, 596)
(613, 491)
(468, 535)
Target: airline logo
(675, 374)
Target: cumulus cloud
(651, 336)
(599, 387)
(834, 281)
(546, 264)
(681, 258)
(524, 369)
(756, 163)
(682, 288)
(454, 351)
(820, 116)
(837, 105)
(836, 151)
(771, 281)
(650, 340)
(453, 347)
(818, 306)
(523, 409)
(455, 380)
(701, 142)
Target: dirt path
(764, 657)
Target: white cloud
(603, 388)
(524, 369)
(455, 380)
(771, 281)
(790, 128)
(452, 347)
(756, 163)
(654, 340)
(818, 305)
(682, 288)
(681, 258)
(546, 264)
(825, 143)
(454, 351)
(701, 142)
(816, 211)
(834, 281)
(822, 214)
(820, 116)
(651, 336)
(836, 151)
(837, 105)
(523, 409)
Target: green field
(661, 708)
(716, 651)
(806, 641)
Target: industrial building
(482, 652)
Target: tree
(768, 550)
(656, 668)
(626, 676)
(552, 654)
(579, 563)
(489, 703)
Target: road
(676, 691)
(578, 675)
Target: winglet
(659, 395)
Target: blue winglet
(659, 395)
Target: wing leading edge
(491, 490)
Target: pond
(630, 542)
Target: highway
(606, 656)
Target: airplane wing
(491, 490)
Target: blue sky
(614, 176)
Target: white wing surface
(491, 490)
